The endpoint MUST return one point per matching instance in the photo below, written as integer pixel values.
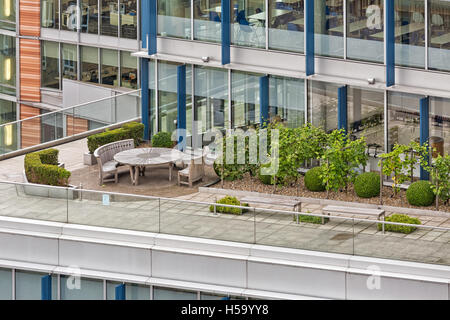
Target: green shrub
(401, 218)
(420, 194)
(230, 201)
(313, 182)
(266, 179)
(162, 140)
(310, 219)
(131, 130)
(367, 185)
(41, 168)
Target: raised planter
(71, 192)
(89, 159)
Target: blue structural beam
(390, 43)
(120, 292)
(424, 131)
(225, 20)
(264, 100)
(145, 97)
(309, 37)
(46, 287)
(149, 25)
(181, 107)
(342, 108)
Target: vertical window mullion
(99, 16)
(156, 96)
(192, 19)
(267, 24)
(99, 52)
(345, 29)
(426, 14)
(119, 19)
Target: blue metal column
(390, 43)
(225, 20)
(145, 22)
(309, 36)
(46, 287)
(342, 108)
(145, 97)
(264, 100)
(120, 292)
(424, 131)
(149, 25)
(181, 107)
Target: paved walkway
(268, 228)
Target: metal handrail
(230, 206)
(71, 107)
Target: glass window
(173, 294)
(174, 18)
(152, 98)
(329, 28)
(366, 116)
(207, 20)
(69, 15)
(50, 64)
(410, 33)
(249, 19)
(403, 119)
(8, 133)
(49, 14)
(365, 30)
(110, 18)
(132, 291)
(51, 126)
(286, 25)
(69, 61)
(211, 99)
(440, 126)
(28, 285)
(322, 105)
(5, 284)
(110, 67)
(8, 14)
(287, 100)
(73, 288)
(7, 65)
(89, 64)
(89, 16)
(439, 34)
(128, 67)
(244, 99)
(128, 19)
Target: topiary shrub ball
(420, 194)
(313, 182)
(367, 185)
(162, 140)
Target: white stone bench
(354, 210)
(294, 204)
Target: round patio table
(139, 158)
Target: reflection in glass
(410, 33)
(8, 15)
(69, 61)
(207, 20)
(286, 25)
(49, 13)
(50, 64)
(440, 126)
(8, 134)
(89, 16)
(365, 30)
(5, 284)
(329, 28)
(245, 106)
(439, 34)
(89, 64)
(110, 67)
(89, 289)
(128, 19)
(51, 126)
(28, 285)
(110, 18)
(173, 294)
(174, 18)
(7, 65)
(128, 67)
(69, 15)
(151, 98)
(287, 101)
(248, 27)
(322, 105)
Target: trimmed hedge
(162, 140)
(131, 130)
(231, 201)
(420, 194)
(367, 185)
(313, 182)
(42, 168)
(401, 218)
(310, 219)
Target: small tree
(440, 178)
